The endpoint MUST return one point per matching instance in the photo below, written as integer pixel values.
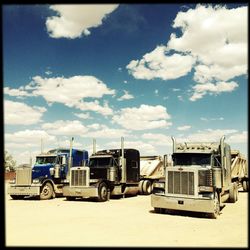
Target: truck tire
(159, 210)
(216, 211)
(141, 187)
(17, 197)
(46, 192)
(70, 198)
(233, 193)
(245, 185)
(102, 192)
(147, 187)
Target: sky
(145, 72)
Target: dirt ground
(121, 222)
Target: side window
(134, 164)
(217, 161)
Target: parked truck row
(198, 176)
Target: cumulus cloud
(159, 64)
(144, 148)
(212, 119)
(17, 113)
(202, 89)
(144, 117)
(73, 21)
(19, 93)
(208, 135)
(213, 42)
(239, 137)
(185, 127)
(95, 106)
(158, 139)
(61, 127)
(32, 137)
(126, 96)
(69, 91)
(224, 56)
(102, 131)
(83, 115)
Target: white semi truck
(203, 176)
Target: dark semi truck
(109, 173)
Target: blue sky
(142, 71)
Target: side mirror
(165, 161)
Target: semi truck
(109, 173)
(151, 170)
(202, 178)
(48, 175)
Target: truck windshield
(99, 162)
(191, 159)
(45, 160)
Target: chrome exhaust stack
(174, 144)
(123, 163)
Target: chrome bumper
(84, 192)
(24, 190)
(205, 205)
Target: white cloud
(213, 42)
(241, 137)
(224, 56)
(144, 117)
(72, 91)
(126, 96)
(16, 92)
(185, 127)
(28, 137)
(212, 119)
(95, 106)
(48, 72)
(158, 139)
(208, 135)
(202, 89)
(175, 89)
(17, 113)
(102, 131)
(69, 128)
(180, 98)
(144, 148)
(158, 64)
(73, 21)
(83, 115)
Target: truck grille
(78, 177)
(23, 176)
(180, 182)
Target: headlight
(36, 181)
(159, 185)
(12, 181)
(205, 189)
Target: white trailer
(151, 170)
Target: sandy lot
(120, 222)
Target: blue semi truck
(48, 175)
